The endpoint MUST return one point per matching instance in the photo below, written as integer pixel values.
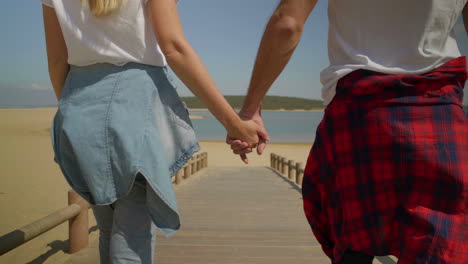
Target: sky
(225, 34)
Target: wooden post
(192, 164)
(283, 166)
(299, 173)
(272, 156)
(187, 171)
(202, 160)
(278, 163)
(275, 161)
(290, 169)
(198, 164)
(178, 177)
(206, 160)
(78, 226)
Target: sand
(193, 117)
(32, 185)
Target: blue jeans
(127, 233)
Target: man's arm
(465, 17)
(279, 41)
(57, 55)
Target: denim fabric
(126, 231)
(114, 122)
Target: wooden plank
(247, 215)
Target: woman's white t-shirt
(123, 36)
(389, 36)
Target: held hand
(244, 130)
(261, 131)
(242, 148)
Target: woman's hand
(261, 131)
(244, 130)
(242, 148)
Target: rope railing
(294, 171)
(76, 213)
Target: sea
(282, 126)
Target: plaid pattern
(388, 172)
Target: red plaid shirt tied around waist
(388, 172)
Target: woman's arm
(57, 55)
(186, 64)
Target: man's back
(389, 36)
(387, 174)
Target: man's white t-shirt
(389, 36)
(123, 36)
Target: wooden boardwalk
(236, 216)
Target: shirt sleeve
(47, 3)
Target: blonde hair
(103, 7)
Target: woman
(121, 131)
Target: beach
(32, 185)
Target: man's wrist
(249, 112)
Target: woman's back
(123, 36)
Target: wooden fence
(197, 163)
(293, 170)
(76, 213)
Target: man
(388, 172)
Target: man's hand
(243, 148)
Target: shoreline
(268, 143)
(192, 116)
(190, 109)
(271, 110)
